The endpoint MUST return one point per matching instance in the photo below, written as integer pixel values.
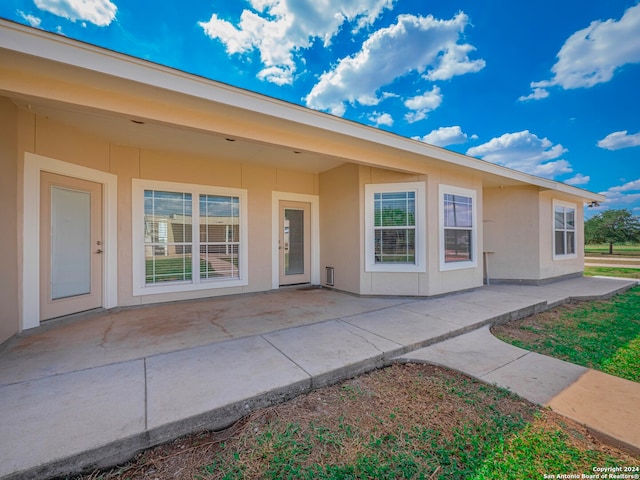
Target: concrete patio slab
(608, 405)
(331, 350)
(452, 310)
(188, 383)
(404, 327)
(476, 353)
(103, 338)
(53, 418)
(580, 288)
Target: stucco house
(127, 183)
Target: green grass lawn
(603, 335)
(368, 433)
(631, 250)
(612, 272)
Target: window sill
(565, 257)
(179, 287)
(394, 268)
(445, 267)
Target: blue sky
(547, 87)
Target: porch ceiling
(153, 135)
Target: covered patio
(93, 339)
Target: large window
(458, 228)
(188, 237)
(564, 230)
(394, 225)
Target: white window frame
(196, 283)
(465, 192)
(419, 189)
(574, 207)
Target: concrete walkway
(71, 405)
(609, 406)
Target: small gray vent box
(330, 276)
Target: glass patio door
(294, 243)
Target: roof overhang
(140, 103)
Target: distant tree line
(612, 226)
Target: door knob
(99, 251)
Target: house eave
(37, 43)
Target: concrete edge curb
(120, 451)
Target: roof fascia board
(34, 42)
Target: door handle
(98, 251)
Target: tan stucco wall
(511, 222)
(519, 234)
(60, 142)
(340, 226)
(9, 300)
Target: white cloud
(30, 19)
(381, 119)
(445, 136)
(525, 152)
(578, 179)
(591, 56)
(423, 104)
(279, 28)
(622, 196)
(98, 12)
(537, 94)
(618, 140)
(422, 44)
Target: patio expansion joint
(375, 310)
(503, 365)
(146, 396)
(287, 356)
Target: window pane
(394, 209)
(560, 242)
(571, 243)
(219, 236)
(294, 241)
(395, 246)
(167, 236)
(160, 267)
(571, 221)
(559, 218)
(457, 211)
(457, 244)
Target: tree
(612, 226)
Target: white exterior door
(295, 243)
(71, 260)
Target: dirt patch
(341, 422)
(531, 330)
